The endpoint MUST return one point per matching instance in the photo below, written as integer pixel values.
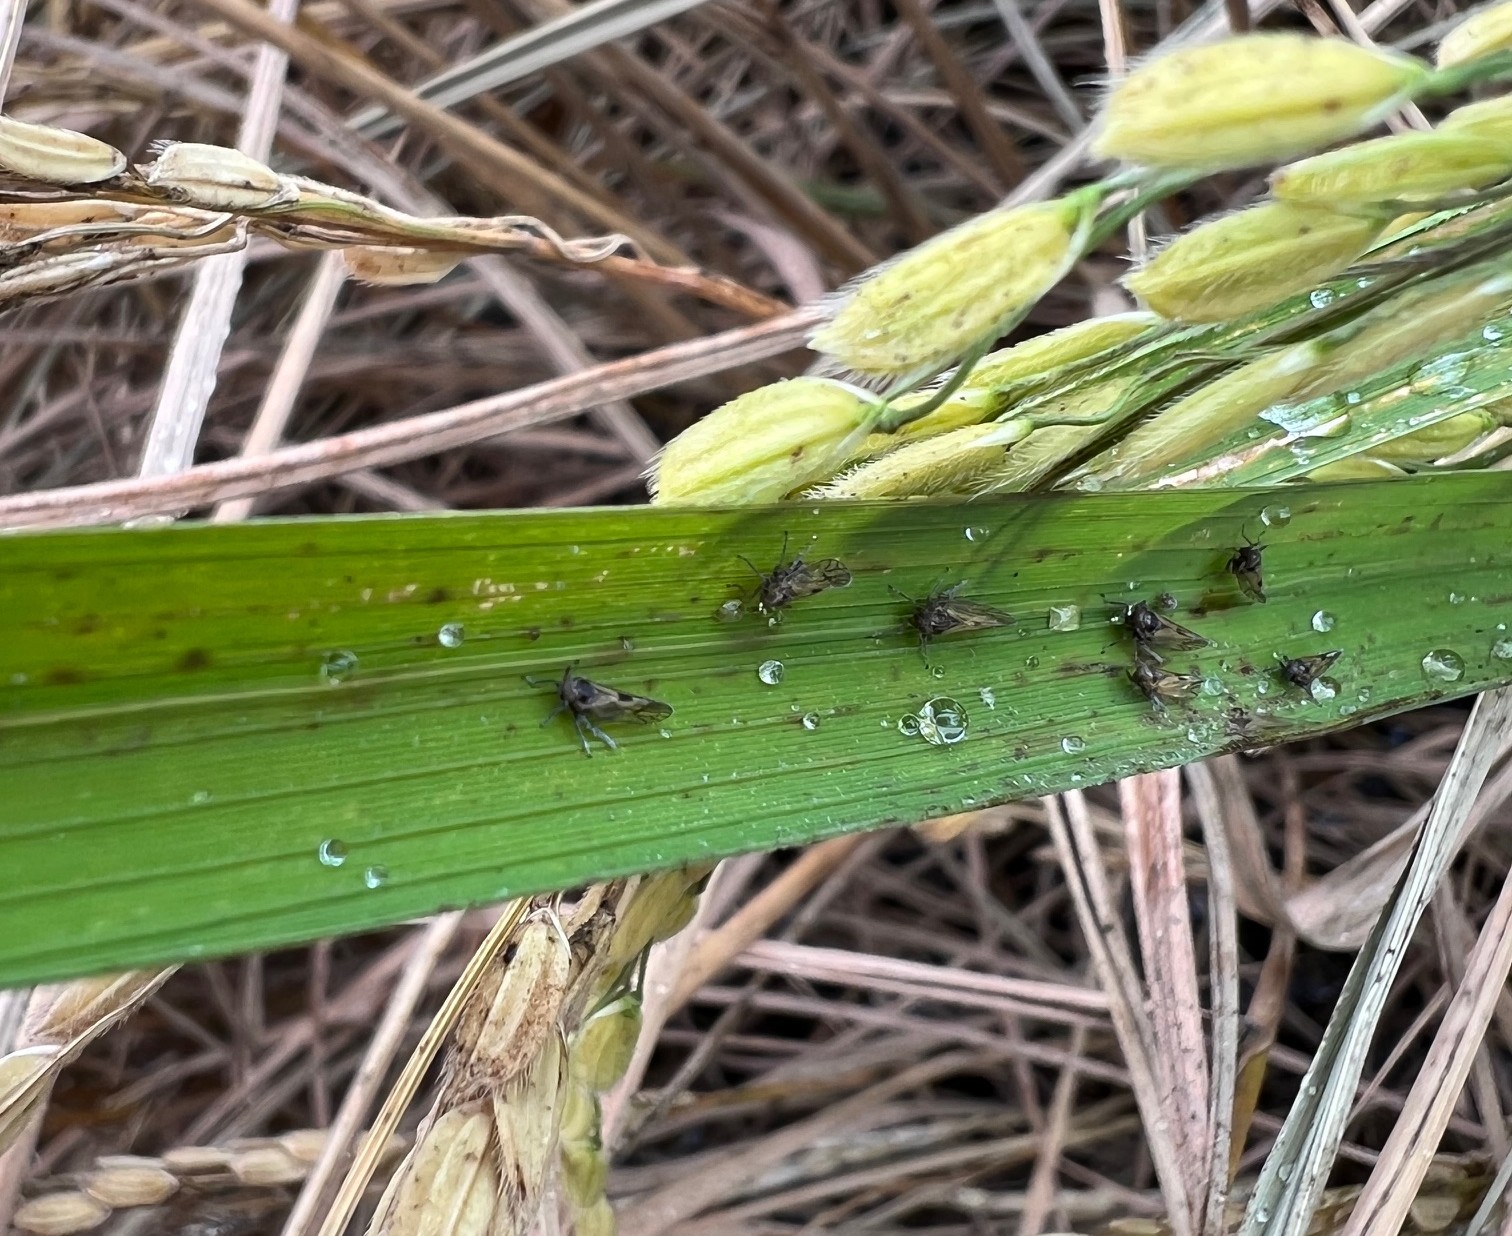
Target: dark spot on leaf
(87, 625)
(194, 659)
(308, 549)
(438, 595)
(532, 633)
(63, 676)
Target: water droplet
(1073, 744)
(1166, 601)
(450, 635)
(200, 797)
(1031, 663)
(626, 644)
(1089, 484)
(1492, 333)
(908, 726)
(937, 671)
(336, 667)
(1502, 650)
(770, 672)
(331, 852)
(1322, 690)
(1443, 665)
(665, 733)
(1276, 516)
(1321, 298)
(1064, 617)
(1322, 621)
(942, 721)
(976, 534)
(810, 721)
(1456, 598)
(375, 876)
(990, 698)
(1212, 686)
(730, 611)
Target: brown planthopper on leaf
(1245, 566)
(1162, 686)
(793, 579)
(1147, 627)
(1304, 671)
(943, 612)
(590, 702)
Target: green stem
(1458, 78)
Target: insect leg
(586, 724)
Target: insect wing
(954, 614)
(1173, 634)
(805, 579)
(611, 704)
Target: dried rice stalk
(541, 1030)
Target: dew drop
(375, 876)
(908, 726)
(1031, 663)
(730, 611)
(810, 721)
(1212, 686)
(1064, 617)
(937, 671)
(450, 635)
(989, 697)
(1073, 744)
(1502, 650)
(626, 644)
(1443, 665)
(1321, 298)
(976, 534)
(200, 797)
(942, 721)
(1276, 516)
(1322, 621)
(336, 667)
(1322, 690)
(770, 672)
(331, 852)
(1456, 598)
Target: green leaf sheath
(222, 738)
